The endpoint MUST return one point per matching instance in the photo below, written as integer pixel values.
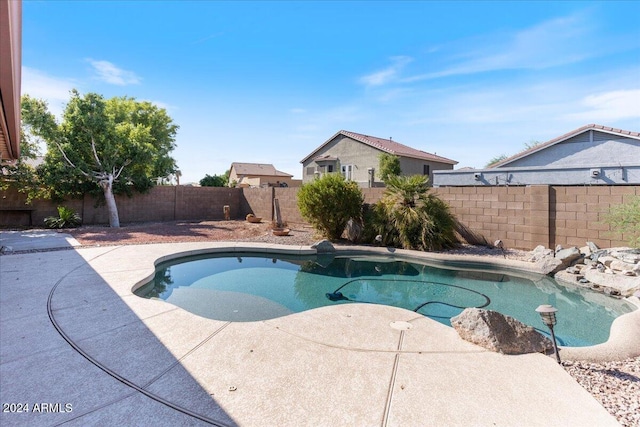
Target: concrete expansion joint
(392, 380)
(397, 351)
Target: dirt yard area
(188, 231)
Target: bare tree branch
(116, 175)
(95, 154)
(69, 161)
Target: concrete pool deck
(80, 349)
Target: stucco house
(356, 156)
(590, 155)
(258, 175)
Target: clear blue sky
(268, 82)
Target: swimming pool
(252, 286)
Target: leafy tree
(389, 166)
(495, 160)
(329, 202)
(527, 146)
(410, 217)
(533, 143)
(21, 174)
(215, 180)
(102, 147)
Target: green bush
(328, 203)
(67, 218)
(625, 218)
(410, 217)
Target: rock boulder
(499, 333)
(323, 246)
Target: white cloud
(388, 74)
(610, 106)
(54, 90)
(109, 73)
(549, 44)
(297, 111)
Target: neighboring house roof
(385, 145)
(583, 129)
(257, 169)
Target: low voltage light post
(548, 314)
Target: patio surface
(73, 334)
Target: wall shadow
(71, 340)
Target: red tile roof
(564, 137)
(257, 169)
(388, 146)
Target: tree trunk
(107, 188)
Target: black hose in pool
(339, 296)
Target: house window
(329, 168)
(425, 169)
(347, 172)
(310, 170)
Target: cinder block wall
(162, 203)
(258, 201)
(287, 198)
(577, 214)
(522, 217)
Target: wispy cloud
(610, 106)
(297, 111)
(110, 73)
(551, 43)
(209, 37)
(388, 74)
(54, 90)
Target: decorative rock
(563, 259)
(573, 270)
(593, 247)
(606, 260)
(585, 251)
(499, 333)
(567, 256)
(353, 230)
(631, 258)
(628, 272)
(626, 285)
(539, 253)
(621, 265)
(323, 246)
(549, 265)
(598, 254)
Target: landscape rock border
(613, 271)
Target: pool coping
(162, 365)
(624, 337)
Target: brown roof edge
(386, 145)
(11, 72)
(564, 137)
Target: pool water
(251, 287)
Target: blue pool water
(250, 287)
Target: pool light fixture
(548, 314)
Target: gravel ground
(616, 385)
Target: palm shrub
(410, 217)
(67, 218)
(328, 203)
